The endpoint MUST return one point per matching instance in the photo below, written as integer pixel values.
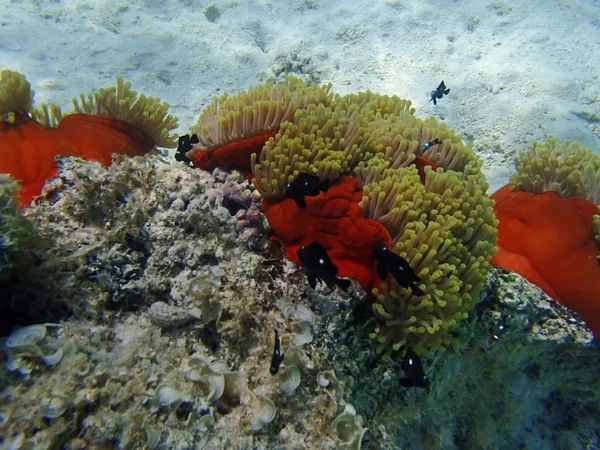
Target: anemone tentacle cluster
(400, 180)
(233, 127)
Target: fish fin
(416, 290)
(324, 185)
(381, 273)
(409, 382)
(446, 91)
(343, 284)
(406, 382)
(300, 202)
(400, 278)
(312, 280)
(413, 276)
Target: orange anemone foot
(97, 138)
(235, 155)
(550, 241)
(27, 149)
(334, 219)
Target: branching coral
(549, 230)
(113, 120)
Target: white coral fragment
(217, 377)
(31, 341)
(167, 395)
(265, 413)
(326, 377)
(347, 427)
(205, 422)
(295, 356)
(166, 316)
(216, 386)
(305, 314)
(286, 308)
(289, 378)
(54, 405)
(303, 333)
(203, 290)
(26, 338)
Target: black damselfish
(184, 145)
(389, 262)
(413, 368)
(319, 267)
(277, 355)
(439, 92)
(305, 185)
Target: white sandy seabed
(518, 71)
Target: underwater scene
(299, 225)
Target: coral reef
(169, 336)
(554, 197)
(193, 371)
(112, 120)
(14, 230)
(523, 376)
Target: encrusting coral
(393, 179)
(548, 231)
(112, 120)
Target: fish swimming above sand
(439, 92)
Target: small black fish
(427, 145)
(277, 355)
(388, 261)
(413, 368)
(305, 185)
(439, 93)
(184, 145)
(319, 267)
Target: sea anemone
(112, 120)
(393, 179)
(549, 229)
(233, 127)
